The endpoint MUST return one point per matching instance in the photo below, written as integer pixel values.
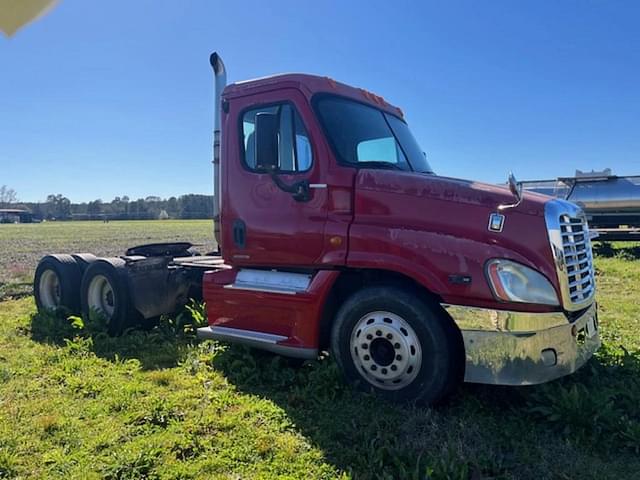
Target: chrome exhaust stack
(220, 81)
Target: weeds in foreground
(157, 403)
(162, 345)
(8, 463)
(601, 408)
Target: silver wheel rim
(386, 350)
(49, 289)
(100, 296)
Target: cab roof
(310, 85)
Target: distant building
(15, 215)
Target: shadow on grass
(163, 344)
(607, 250)
(483, 432)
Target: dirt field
(22, 245)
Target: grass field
(22, 245)
(76, 403)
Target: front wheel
(388, 340)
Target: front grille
(578, 258)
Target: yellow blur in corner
(15, 14)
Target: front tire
(389, 341)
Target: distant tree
(38, 211)
(94, 207)
(173, 208)
(139, 209)
(78, 208)
(125, 203)
(59, 206)
(186, 206)
(7, 195)
(116, 206)
(196, 206)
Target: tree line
(59, 207)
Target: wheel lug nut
(364, 346)
(389, 336)
(396, 345)
(384, 371)
(373, 367)
(398, 357)
(366, 357)
(369, 337)
(378, 333)
(394, 368)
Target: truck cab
(340, 237)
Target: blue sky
(99, 99)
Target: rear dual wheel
(82, 283)
(390, 341)
(57, 283)
(104, 291)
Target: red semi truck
(335, 235)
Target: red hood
(440, 225)
(492, 195)
(458, 190)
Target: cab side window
(294, 145)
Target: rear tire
(105, 291)
(57, 283)
(84, 260)
(389, 341)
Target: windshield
(363, 135)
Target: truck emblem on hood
(496, 222)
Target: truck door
(263, 225)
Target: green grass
(22, 245)
(76, 403)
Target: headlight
(513, 282)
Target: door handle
(317, 186)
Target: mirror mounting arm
(516, 190)
(511, 205)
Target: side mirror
(266, 132)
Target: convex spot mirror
(514, 187)
(266, 132)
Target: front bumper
(520, 348)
